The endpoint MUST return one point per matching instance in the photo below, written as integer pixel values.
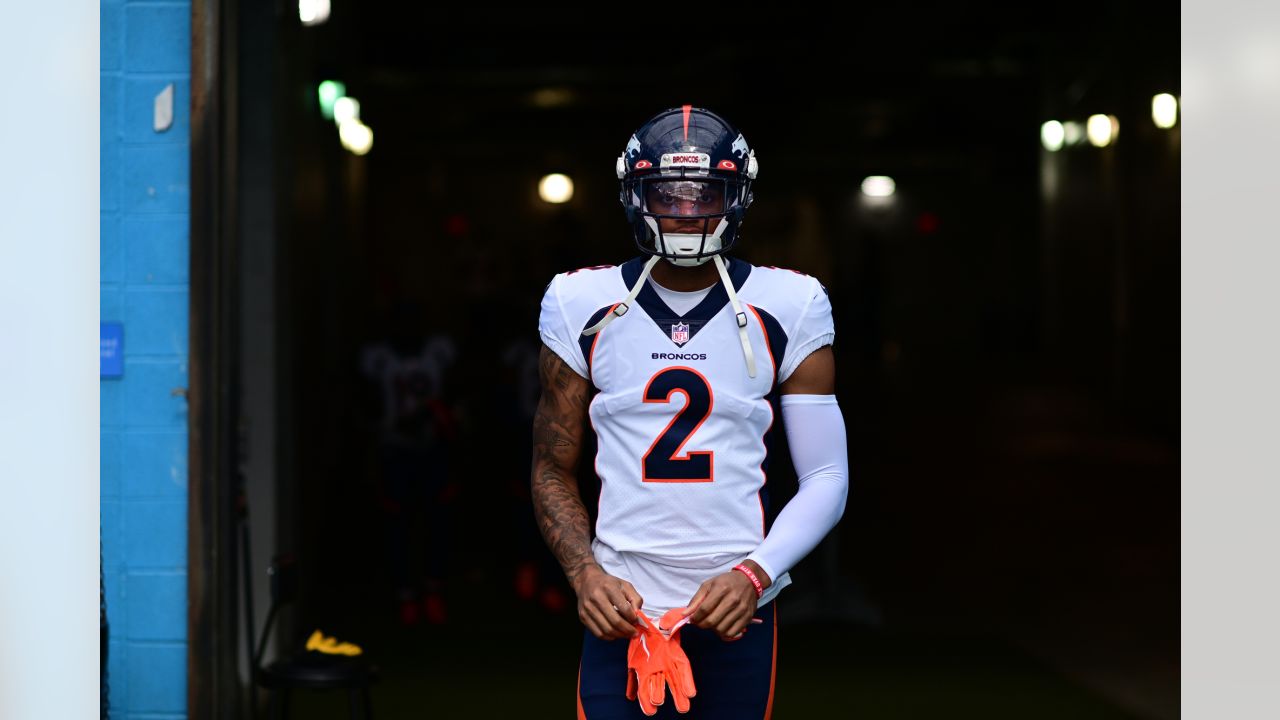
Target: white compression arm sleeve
(815, 432)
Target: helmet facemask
(701, 214)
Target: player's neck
(685, 279)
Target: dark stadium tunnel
(1007, 341)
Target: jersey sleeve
(814, 329)
(553, 327)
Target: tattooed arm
(606, 604)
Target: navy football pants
(734, 679)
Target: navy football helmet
(690, 167)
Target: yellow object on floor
(331, 646)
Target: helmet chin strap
(738, 315)
(622, 307)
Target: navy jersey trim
(587, 342)
(770, 440)
(697, 318)
(775, 336)
(589, 483)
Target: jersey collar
(699, 315)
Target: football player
(680, 361)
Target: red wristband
(752, 577)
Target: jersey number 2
(663, 462)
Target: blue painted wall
(145, 285)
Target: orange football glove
(646, 666)
(655, 661)
(679, 673)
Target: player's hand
(725, 603)
(606, 605)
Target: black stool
(306, 670)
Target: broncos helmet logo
(633, 147)
(740, 146)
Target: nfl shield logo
(680, 333)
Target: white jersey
(683, 431)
